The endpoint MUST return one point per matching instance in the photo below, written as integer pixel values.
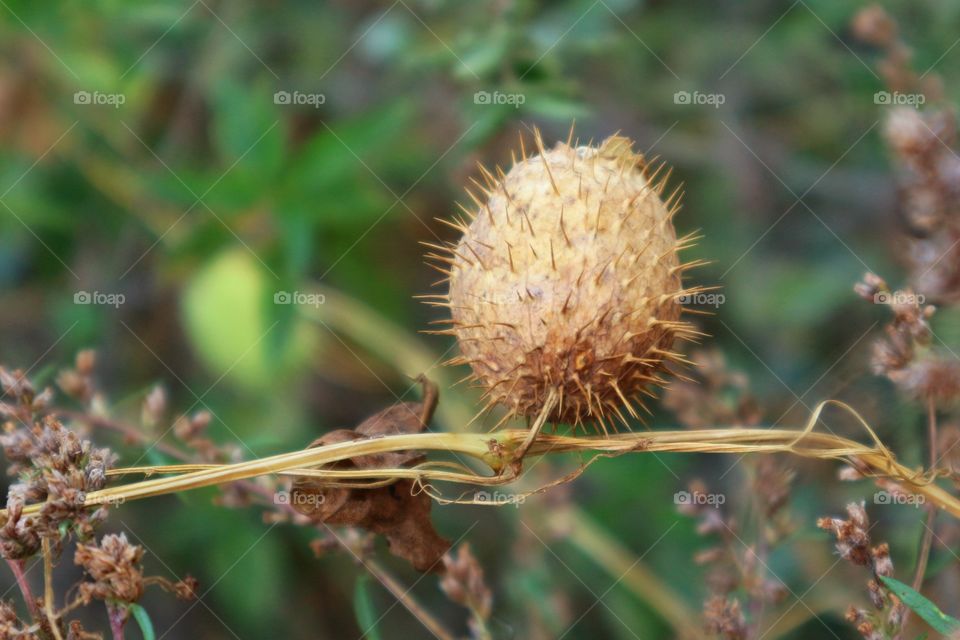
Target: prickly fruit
(565, 287)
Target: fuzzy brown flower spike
(114, 566)
(565, 288)
(923, 144)
(854, 545)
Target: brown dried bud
(114, 566)
(187, 429)
(882, 563)
(85, 362)
(724, 617)
(154, 407)
(873, 25)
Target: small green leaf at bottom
(367, 616)
(930, 612)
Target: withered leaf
(393, 511)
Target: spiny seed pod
(565, 288)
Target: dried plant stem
(498, 451)
(538, 424)
(48, 597)
(118, 617)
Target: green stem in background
(931, 510)
(609, 554)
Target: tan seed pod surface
(564, 287)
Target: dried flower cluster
(55, 467)
(928, 168)
(114, 566)
(724, 618)
(905, 354)
(463, 583)
(78, 382)
(885, 621)
(738, 575)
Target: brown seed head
(566, 283)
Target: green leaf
(143, 619)
(937, 619)
(231, 314)
(367, 616)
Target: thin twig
(409, 602)
(48, 598)
(127, 431)
(16, 566)
(117, 619)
